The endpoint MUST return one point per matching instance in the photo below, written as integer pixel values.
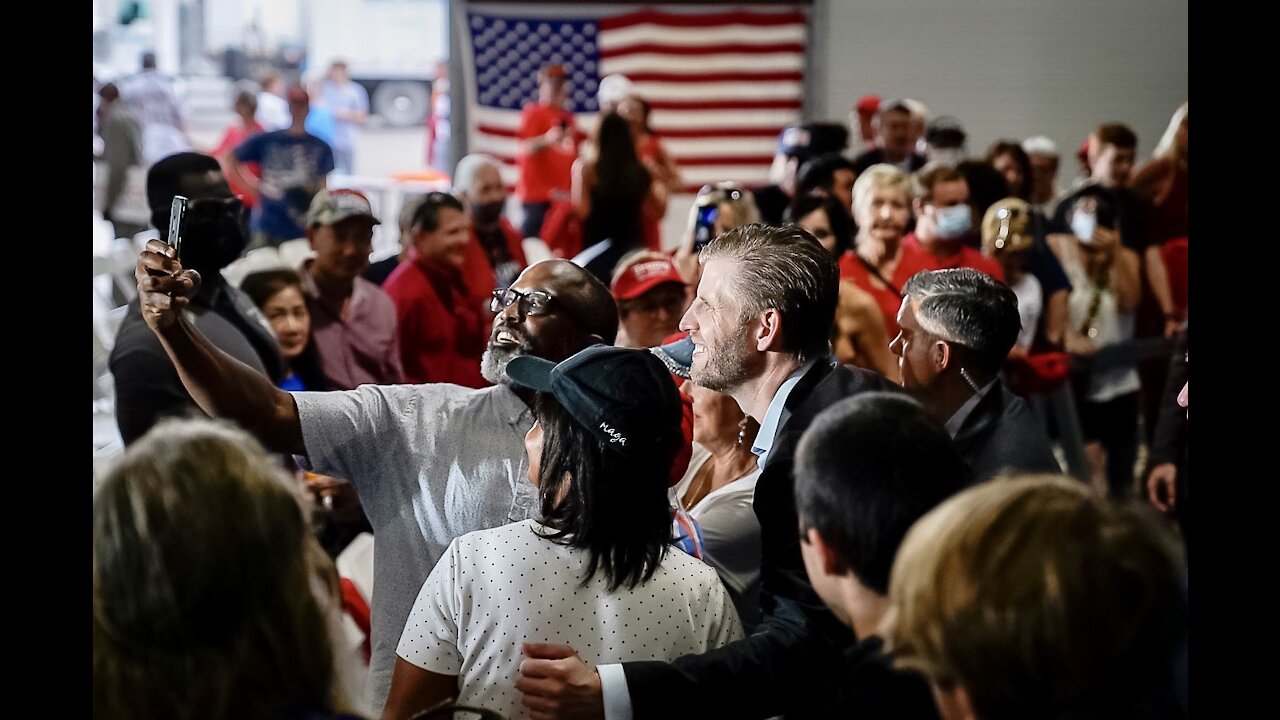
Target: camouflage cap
(333, 206)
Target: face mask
(947, 156)
(953, 221)
(488, 213)
(216, 233)
(1082, 225)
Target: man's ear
(826, 555)
(311, 236)
(941, 355)
(769, 334)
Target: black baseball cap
(623, 396)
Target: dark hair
(837, 215)
(620, 188)
(783, 268)
(819, 172)
(427, 213)
(1107, 210)
(986, 185)
(164, 180)
(263, 285)
(613, 507)
(866, 469)
(1013, 149)
(148, 60)
(1117, 134)
(970, 308)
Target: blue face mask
(953, 221)
(1082, 225)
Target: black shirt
(147, 385)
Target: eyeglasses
(532, 303)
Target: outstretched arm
(221, 385)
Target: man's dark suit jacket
(785, 666)
(1002, 435)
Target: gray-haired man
(957, 327)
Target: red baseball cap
(641, 277)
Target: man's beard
(724, 367)
(493, 364)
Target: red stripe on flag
(724, 160)
(719, 132)
(687, 133)
(689, 161)
(744, 76)
(716, 49)
(653, 17)
(725, 104)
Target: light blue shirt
(773, 416)
(613, 680)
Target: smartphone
(176, 213)
(704, 228)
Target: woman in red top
(237, 132)
(882, 208)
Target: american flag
(722, 85)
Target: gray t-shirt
(431, 463)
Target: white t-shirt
(730, 531)
(494, 589)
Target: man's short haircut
(927, 178)
(407, 210)
(893, 105)
(148, 60)
(783, 268)
(427, 214)
(1042, 599)
(819, 172)
(970, 308)
(876, 177)
(164, 179)
(868, 468)
(464, 175)
(1117, 134)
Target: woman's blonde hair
(205, 575)
(880, 175)
(1036, 594)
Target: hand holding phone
(177, 212)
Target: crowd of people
(859, 393)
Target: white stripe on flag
(768, 90)
(712, 147)
(662, 120)
(699, 36)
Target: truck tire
(402, 103)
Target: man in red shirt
(943, 219)
(548, 146)
(443, 327)
(495, 254)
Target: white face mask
(954, 221)
(1082, 225)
